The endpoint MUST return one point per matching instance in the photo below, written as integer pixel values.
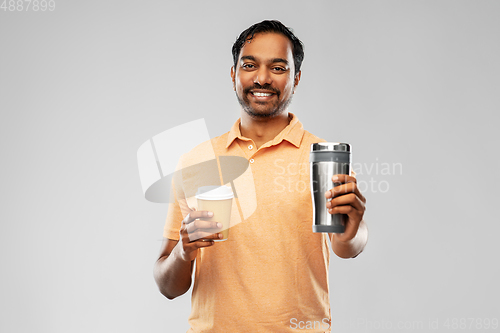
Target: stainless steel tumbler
(327, 159)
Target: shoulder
(309, 138)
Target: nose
(263, 76)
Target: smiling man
(264, 79)
(271, 275)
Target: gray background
(408, 82)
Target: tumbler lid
(331, 146)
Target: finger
(343, 179)
(193, 215)
(204, 226)
(348, 199)
(338, 181)
(203, 235)
(345, 189)
(340, 190)
(345, 209)
(199, 244)
(204, 243)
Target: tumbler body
(327, 159)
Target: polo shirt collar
(292, 133)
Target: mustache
(266, 86)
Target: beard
(268, 110)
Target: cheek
(243, 77)
(238, 83)
(287, 86)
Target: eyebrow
(272, 61)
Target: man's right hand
(195, 233)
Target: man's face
(264, 78)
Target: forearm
(355, 246)
(173, 274)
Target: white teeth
(259, 94)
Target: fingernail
(210, 214)
(335, 178)
(220, 235)
(219, 225)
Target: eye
(279, 69)
(247, 66)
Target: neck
(262, 130)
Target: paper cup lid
(214, 193)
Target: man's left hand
(347, 199)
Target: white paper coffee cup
(216, 199)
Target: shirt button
(251, 160)
(250, 147)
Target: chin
(263, 114)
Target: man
(272, 274)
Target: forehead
(268, 45)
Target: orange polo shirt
(271, 275)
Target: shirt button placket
(250, 147)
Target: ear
(296, 81)
(233, 75)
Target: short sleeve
(177, 206)
(174, 216)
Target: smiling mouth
(261, 94)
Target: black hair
(270, 26)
